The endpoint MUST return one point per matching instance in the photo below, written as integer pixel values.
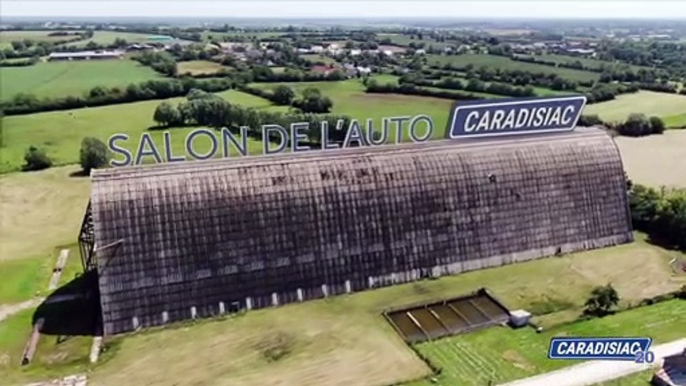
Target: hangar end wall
(200, 238)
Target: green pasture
(6, 37)
(59, 79)
(349, 98)
(478, 60)
(405, 40)
(676, 121)
(650, 103)
(195, 67)
(60, 132)
(314, 58)
(500, 354)
(108, 37)
(589, 63)
(219, 36)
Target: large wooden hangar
(196, 239)
(188, 240)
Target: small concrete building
(85, 55)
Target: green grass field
(676, 121)
(245, 35)
(344, 340)
(589, 63)
(6, 37)
(647, 102)
(500, 354)
(195, 67)
(314, 58)
(108, 37)
(495, 61)
(57, 79)
(60, 133)
(350, 99)
(405, 40)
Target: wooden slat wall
(201, 233)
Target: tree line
(100, 96)
(636, 125)
(311, 100)
(475, 85)
(411, 89)
(206, 109)
(608, 71)
(661, 213)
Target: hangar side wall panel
(197, 239)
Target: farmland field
(350, 99)
(405, 40)
(57, 79)
(195, 67)
(590, 63)
(655, 160)
(501, 354)
(60, 132)
(647, 102)
(108, 37)
(6, 37)
(314, 58)
(502, 62)
(218, 36)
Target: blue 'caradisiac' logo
(515, 116)
(623, 349)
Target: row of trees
(475, 85)
(205, 109)
(100, 96)
(660, 213)
(516, 77)
(93, 154)
(159, 61)
(609, 71)
(410, 89)
(636, 125)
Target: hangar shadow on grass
(73, 309)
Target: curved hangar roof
(176, 240)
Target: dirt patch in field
(517, 360)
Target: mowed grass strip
(478, 60)
(59, 79)
(501, 354)
(60, 132)
(650, 103)
(196, 67)
(675, 121)
(344, 340)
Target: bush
(36, 159)
(94, 154)
(601, 301)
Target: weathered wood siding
(198, 237)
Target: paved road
(593, 372)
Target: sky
(361, 8)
